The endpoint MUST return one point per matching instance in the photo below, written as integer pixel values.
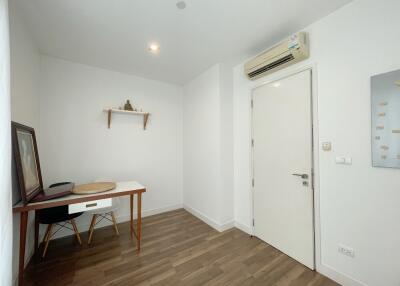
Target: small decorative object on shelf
(128, 106)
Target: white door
(282, 158)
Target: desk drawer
(88, 206)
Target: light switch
(326, 146)
(344, 160)
(340, 160)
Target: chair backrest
(56, 214)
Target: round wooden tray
(93, 188)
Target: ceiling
(114, 34)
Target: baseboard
(244, 228)
(124, 218)
(338, 277)
(219, 227)
(227, 225)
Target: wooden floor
(177, 249)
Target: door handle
(303, 176)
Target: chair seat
(56, 215)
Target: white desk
(122, 189)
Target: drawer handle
(91, 205)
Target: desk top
(122, 189)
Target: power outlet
(345, 250)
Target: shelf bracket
(109, 118)
(145, 118)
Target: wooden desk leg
(139, 220)
(36, 233)
(131, 199)
(22, 241)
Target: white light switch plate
(345, 250)
(343, 160)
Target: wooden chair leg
(47, 239)
(45, 234)
(78, 237)
(115, 223)
(92, 228)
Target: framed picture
(26, 161)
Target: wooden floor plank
(178, 250)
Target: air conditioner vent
(272, 65)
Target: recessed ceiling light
(276, 84)
(154, 48)
(181, 5)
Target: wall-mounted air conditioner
(284, 54)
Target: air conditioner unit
(286, 53)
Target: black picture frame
(26, 161)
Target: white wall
(25, 61)
(5, 151)
(201, 141)
(207, 177)
(76, 145)
(359, 204)
(226, 143)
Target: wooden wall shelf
(110, 111)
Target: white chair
(104, 213)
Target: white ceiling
(114, 34)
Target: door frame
(315, 149)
